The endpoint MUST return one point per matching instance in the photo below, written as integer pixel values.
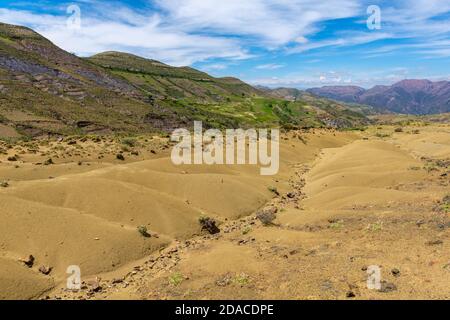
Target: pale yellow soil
(359, 200)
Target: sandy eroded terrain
(344, 200)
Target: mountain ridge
(409, 96)
(45, 90)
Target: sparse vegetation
(130, 142)
(382, 135)
(377, 226)
(445, 204)
(336, 224)
(176, 279)
(242, 279)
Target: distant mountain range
(408, 96)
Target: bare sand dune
(368, 202)
(431, 142)
(362, 173)
(89, 215)
(358, 205)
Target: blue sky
(295, 43)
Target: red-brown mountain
(407, 96)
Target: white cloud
(214, 66)
(366, 79)
(270, 66)
(345, 39)
(269, 22)
(150, 39)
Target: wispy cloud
(146, 36)
(270, 66)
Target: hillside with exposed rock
(407, 96)
(45, 90)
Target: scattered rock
(117, 281)
(434, 242)
(350, 294)
(29, 262)
(120, 157)
(209, 225)
(4, 184)
(12, 159)
(48, 162)
(95, 286)
(274, 190)
(420, 222)
(225, 281)
(45, 270)
(267, 215)
(387, 287)
(291, 195)
(395, 272)
(144, 231)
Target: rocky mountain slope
(45, 90)
(407, 96)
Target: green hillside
(45, 90)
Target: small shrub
(382, 135)
(398, 129)
(176, 279)
(445, 206)
(377, 226)
(339, 224)
(242, 279)
(120, 157)
(130, 142)
(246, 231)
(446, 199)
